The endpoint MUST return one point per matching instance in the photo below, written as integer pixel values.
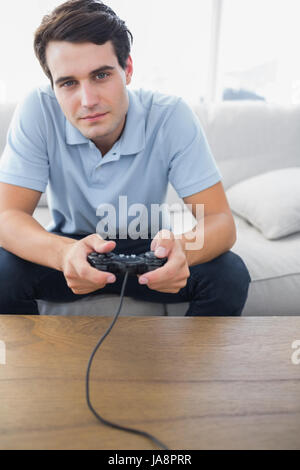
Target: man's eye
(68, 84)
(102, 75)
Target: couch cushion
(6, 114)
(104, 305)
(249, 137)
(267, 258)
(269, 201)
(274, 267)
(42, 215)
(43, 202)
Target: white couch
(247, 139)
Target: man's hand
(81, 277)
(174, 274)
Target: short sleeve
(191, 166)
(24, 161)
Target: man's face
(90, 87)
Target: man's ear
(129, 70)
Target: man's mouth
(94, 117)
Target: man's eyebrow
(104, 68)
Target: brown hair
(81, 21)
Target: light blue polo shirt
(162, 142)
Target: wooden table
(194, 383)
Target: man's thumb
(100, 245)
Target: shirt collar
(133, 138)
(74, 136)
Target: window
(198, 49)
(258, 56)
(170, 50)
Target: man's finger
(153, 276)
(102, 277)
(96, 243)
(106, 247)
(163, 240)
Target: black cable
(102, 420)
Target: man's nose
(89, 98)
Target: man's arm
(219, 227)
(21, 234)
(219, 237)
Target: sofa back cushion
(251, 137)
(6, 114)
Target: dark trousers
(216, 288)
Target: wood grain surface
(194, 383)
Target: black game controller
(120, 264)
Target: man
(91, 140)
